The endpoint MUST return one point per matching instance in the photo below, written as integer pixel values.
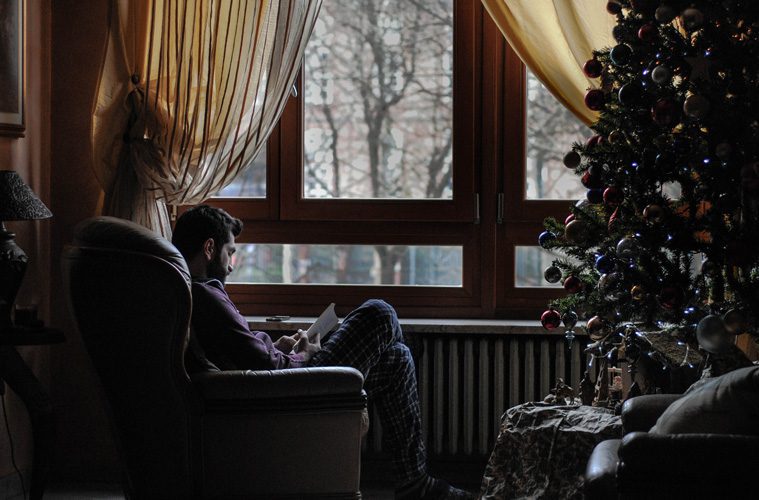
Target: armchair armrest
(640, 413)
(276, 426)
(695, 456)
(296, 388)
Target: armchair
(210, 434)
(699, 445)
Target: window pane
(378, 97)
(530, 263)
(551, 129)
(348, 264)
(251, 183)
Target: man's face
(221, 264)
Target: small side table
(542, 450)
(15, 372)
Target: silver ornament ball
(712, 335)
(661, 75)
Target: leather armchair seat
(700, 445)
(210, 434)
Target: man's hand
(286, 343)
(304, 347)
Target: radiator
(466, 383)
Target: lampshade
(17, 201)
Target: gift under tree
(668, 237)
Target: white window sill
(419, 325)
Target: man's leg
(370, 340)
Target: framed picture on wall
(12, 67)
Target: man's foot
(430, 488)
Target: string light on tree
(672, 179)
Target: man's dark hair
(198, 224)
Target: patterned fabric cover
(542, 450)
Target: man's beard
(216, 270)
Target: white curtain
(189, 91)
(554, 38)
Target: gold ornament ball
(696, 106)
(596, 328)
(653, 213)
(575, 231)
(637, 293)
(692, 19)
(616, 137)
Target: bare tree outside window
(379, 100)
(378, 116)
(251, 183)
(551, 131)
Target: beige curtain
(189, 91)
(554, 38)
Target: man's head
(205, 236)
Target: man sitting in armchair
(369, 339)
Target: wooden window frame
(489, 149)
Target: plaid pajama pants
(370, 340)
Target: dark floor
(374, 485)
(113, 492)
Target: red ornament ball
(591, 181)
(665, 112)
(613, 196)
(572, 284)
(595, 99)
(647, 33)
(592, 68)
(569, 219)
(594, 141)
(670, 297)
(550, 319)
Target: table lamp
(17, 202)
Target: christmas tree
(668, 237)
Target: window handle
(294, 91)
(476, 208)
(499, 213)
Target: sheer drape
(189, 91)
(554, 38)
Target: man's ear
(209, 249)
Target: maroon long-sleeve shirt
(224, 334)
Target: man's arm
(224, 333)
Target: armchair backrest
(129, 293)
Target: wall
(30, 157)
(85, 448)
(64, 43)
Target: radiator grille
(466, 382)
